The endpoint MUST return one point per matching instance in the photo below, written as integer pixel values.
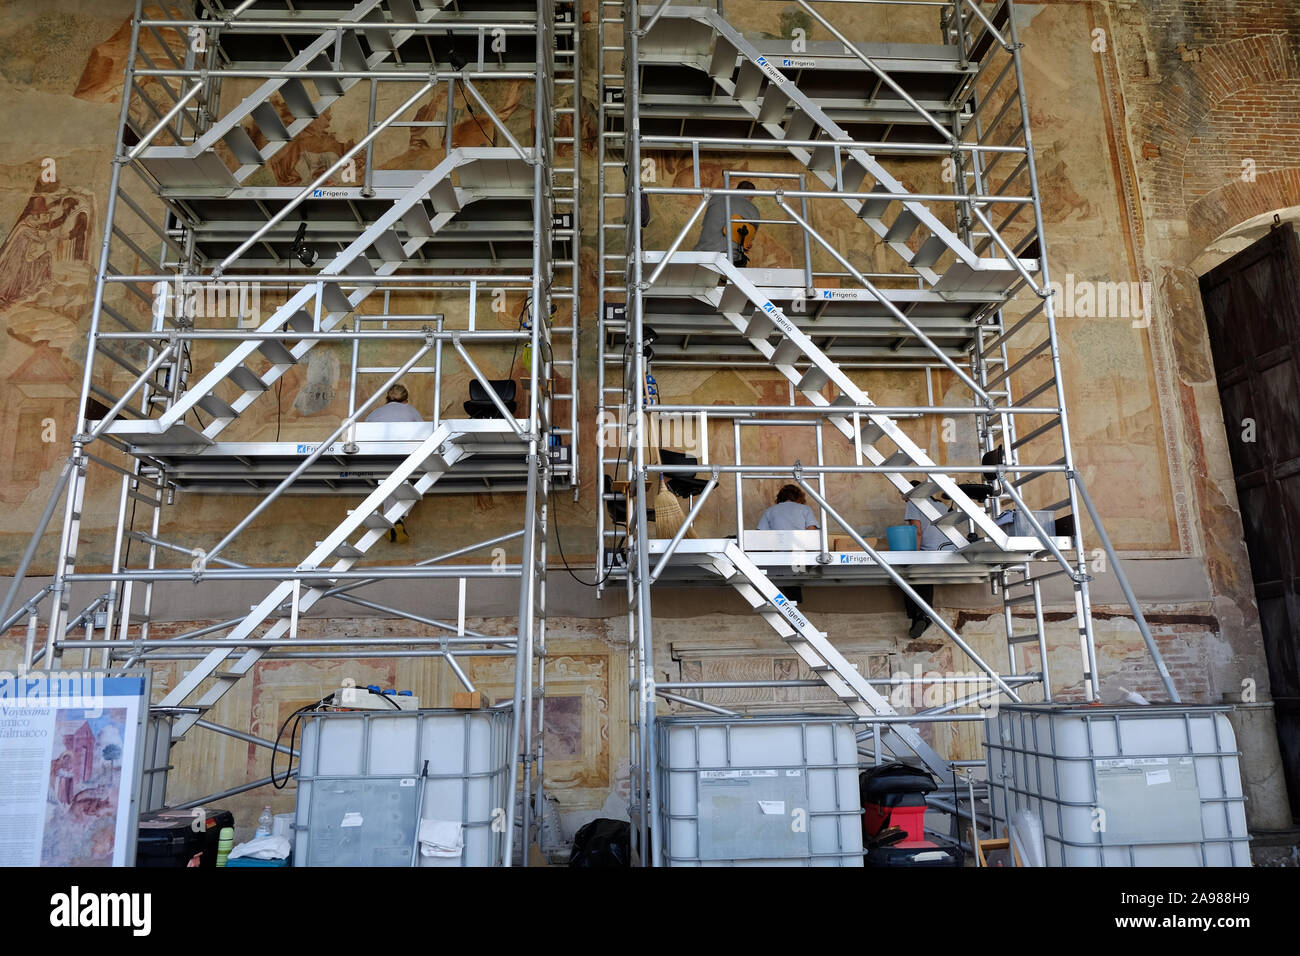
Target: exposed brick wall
(1253, 132)
(1209, 85)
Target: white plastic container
(1121, 786)
(758, 791)
(358, 785)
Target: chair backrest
(677, 458)
(617, 510)
(504, 387)
(994, 457)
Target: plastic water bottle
(225, 843)
(264, 823)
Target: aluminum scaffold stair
(386, 245)
(821, 656)
(389, 503)
(747, 308)
(200, 164)
(777, 104)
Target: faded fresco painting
(85, 783)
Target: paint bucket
(902, 537)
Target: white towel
(262, 848)
(441, 838)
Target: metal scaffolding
(214, 281)
(940, 284)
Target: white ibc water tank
(358, 785)
(758, 792)
(1121, 786)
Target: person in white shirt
(397, 408)
(790, 513)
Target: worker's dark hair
(397, 393)
(748, 185)
(789, 493)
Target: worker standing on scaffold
(744, 226)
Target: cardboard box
(842, 542)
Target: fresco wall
(1140, 137)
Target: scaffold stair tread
(337, 545)
(833, 669)
(298, 313)
(168, 163)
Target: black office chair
(682, 485)
(982, 491)
(480, 404)
(615, 505)
(616, 508)
(994, 457)
(976, 492)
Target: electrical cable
(297, 717)
(474, 115)
(126, 559)
(559, 543)
(189, 370)
(519, 327)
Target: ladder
(614, 184)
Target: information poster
(70, 749)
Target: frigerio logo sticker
(777, 316)
(772, 72)
(793, 616)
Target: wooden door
(1252, 309)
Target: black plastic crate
(172, 838)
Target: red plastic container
(911, 819)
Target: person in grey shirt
(396, 409)
(929, 538)
(714, 231)
(790, 513)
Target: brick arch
(1192, 92)
(1237, 202)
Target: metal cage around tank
(468, 757)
